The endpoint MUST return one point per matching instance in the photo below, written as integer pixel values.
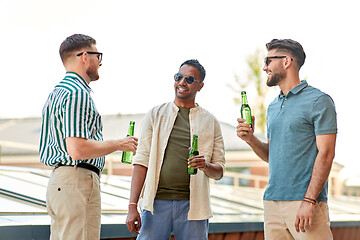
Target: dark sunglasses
(99, 55)
(188, 78)
(267, 60)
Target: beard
(275, 78)
(182, 94)
(92, 72)
(186, 95)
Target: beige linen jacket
(154, 134)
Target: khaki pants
(74, 204)
(280, 216)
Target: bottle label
(192, 170)
(127, 157)
(248, 117)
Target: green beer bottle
(193, 152)
(245, 109)
(127, 157)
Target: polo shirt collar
(303, 84)
(77, 77)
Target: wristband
(310, 200)
(132, 204)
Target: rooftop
(23, 192)
(23, 189)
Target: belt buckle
(59, 164)
(89, 167)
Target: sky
(144, 42)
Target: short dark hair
(195, 63)
(75, 42)
(290, 46)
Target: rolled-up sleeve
(145, 139)
(324, 115)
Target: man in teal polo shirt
(71, 142)
(301, 133)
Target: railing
(22, 197)
(256, 178)
(17, 145)
(335, 185)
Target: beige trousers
(74, 204)
(279, 221)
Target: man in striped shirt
(71, 141)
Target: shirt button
(282, 106)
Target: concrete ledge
(236, 227)
(108, 231)
(34, 232)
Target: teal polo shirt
(293, 122)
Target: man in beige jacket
(171, 200)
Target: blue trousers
(170, 216)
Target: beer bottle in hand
(245, 109)
(192, 153)
(127, 157)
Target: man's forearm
(320, 174)
(322, 165)
(260, 148)
(137, 182)
(81, 148)
(213, 170)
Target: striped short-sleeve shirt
(69, 112)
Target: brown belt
(82, 165)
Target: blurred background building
(236, 199)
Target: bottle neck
(195, 143)
(244, 99)
(131, 129)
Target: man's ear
(288, 61)
(84, 57)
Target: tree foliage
(255, 78)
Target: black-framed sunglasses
(99, 55)
(267, 60)
(188, 78)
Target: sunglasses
(267, 60)
(99, 55)
(188, 78)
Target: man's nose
(182, 81)
(265, 67)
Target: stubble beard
(275, 79)
(181, 96)
(186, 96)
(92, 72)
